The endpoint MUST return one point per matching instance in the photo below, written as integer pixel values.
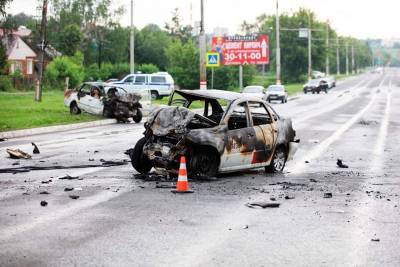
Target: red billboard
(242, 50)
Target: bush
(63, 67)
(148, 68)
(92, 73)
(5, 83)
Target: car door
(96, 102)
(239, 140)
(84, 98)
(266, 133)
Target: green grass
(18, 110)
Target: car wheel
(73, 108)
(138, 117)
(140, 162)
(278, 160)
(269, 100)
(282, 101)
(326, 91)
(204, 162)
(154, 95)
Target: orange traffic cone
(182, 185)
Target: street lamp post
(309, 47)
(132, 42)
(347, 58)
(278, 48)
(327, 49)
(202, 45)
(337, 57)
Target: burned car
(104, 99)
(231, 132)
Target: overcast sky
(358, 18)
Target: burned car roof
(210, 94)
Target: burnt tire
(140, 162)
(204, 162)
(74, 109)
(278, 160)
(138, 117)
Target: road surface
(122, 221)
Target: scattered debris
(3, 139)
(68, 189)
(15, 163)
(74, 196)
(272, 198)
(328, 195)
(313, 180)
(18, 154)
(245, 227)
(46, 182)
(165, 186)
(43, 203)
(91, 159)
(340, 164)
(263, 205)
(96, 151)
(152, 177)
(105, 163)
(68, 177)
(289, 197)
(78, 189)
(35, 149)
(375, 239)
(306, 161)
(365, 122)
(128, 151)
(44, 193)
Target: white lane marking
(377, 161)
(300, 165)
(84, 203)
(336, 103)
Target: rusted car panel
(246, 134)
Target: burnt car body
(104, 99)
(247, 134)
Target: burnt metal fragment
(43, 203)
(18, 154)
(35, 149)
(74, 196)
(340, 164)
(263, 205)
(328, 195)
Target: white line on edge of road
(379, 148)
(300, 164)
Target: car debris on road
(35, 149)
(263, 205)
(18, 154)
(340, 164)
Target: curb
(56, 128)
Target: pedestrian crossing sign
(212, 59)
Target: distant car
(330, 80)
(104, 99)
(315, 86)
(159, 84)
(254, 90)
(317, 74)
(276, 92)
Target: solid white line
(377, 161)
(300, 165)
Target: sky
(357, 18)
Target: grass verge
(18, 110)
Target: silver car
(277, 93)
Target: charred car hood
(168, 120)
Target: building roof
(17, 49)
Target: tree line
(95, 46)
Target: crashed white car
(104, 99)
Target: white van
(159, 84)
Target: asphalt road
(122, 221)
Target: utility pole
(42, 45)
(309, 47)
(337, 57)
(347, 58)
(132, 42)
(202, 44)
(352, 59)
(327, 49)
(278, 48)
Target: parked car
(245, 134)
(317, 74)
(254, 90)
(315, 86)
(276, 92)
(104, 99)
(159, 84)
(330, 80)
